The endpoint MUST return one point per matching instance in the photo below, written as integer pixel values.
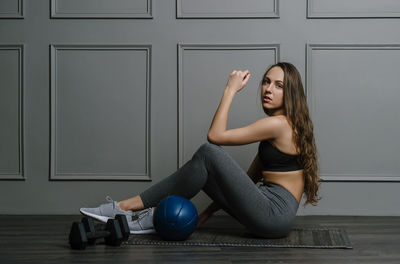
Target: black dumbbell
(123, 224)
(84, 232)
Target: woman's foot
(106, 211)
(142, 222)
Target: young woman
(286, 162)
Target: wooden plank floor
(43, 239)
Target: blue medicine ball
(175, 218)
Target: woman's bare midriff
(291, 180)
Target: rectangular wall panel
(353, 8)
(227, 9)
(100, 102)
(11, 112)
(101, 9)
(11, 9)
(203, 73)
(353, 96)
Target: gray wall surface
(109, 97)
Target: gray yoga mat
(298, 238)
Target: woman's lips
(267, 100)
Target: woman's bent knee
(208, 146)
(207, 149)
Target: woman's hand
(203, 217)
(211, 209)
(237, 80)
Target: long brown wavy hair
(296, 111)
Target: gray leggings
(266, 211)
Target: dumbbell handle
(100, 227)
(122, 223)
(97, 234)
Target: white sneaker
(143, 224)
(106, 211)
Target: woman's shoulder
(278, 124)
(285, 140)
(279, 121)
(282, 121)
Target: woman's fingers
(238, 79)
(202, 218)
(246, 79)
(240, 73)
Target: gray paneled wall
(362, 141)
(227, 9)
(101, 9)
(353, 8)
(11, 133)
(104, 135)
(11, 9)
(101, 98)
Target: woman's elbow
(211, 139)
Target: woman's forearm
(220, 119)
(213, 207)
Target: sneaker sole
(103, 219)
(142, 232)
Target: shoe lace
(110, 200)
(143, 213)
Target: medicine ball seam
(178, 214)
(190, 221)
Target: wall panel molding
(270, 10)
(310, 91)
(353, 9)
(18, 174)
(207, 47)
(54, 174)
(76, 11)
(17, 12)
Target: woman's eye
(266, 81)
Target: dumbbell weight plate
(115, 238)
(88, 223)
(123, 223)
(77, 236)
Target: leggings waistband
(282, 192)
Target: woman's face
(272, 91)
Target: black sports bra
(272, 159)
